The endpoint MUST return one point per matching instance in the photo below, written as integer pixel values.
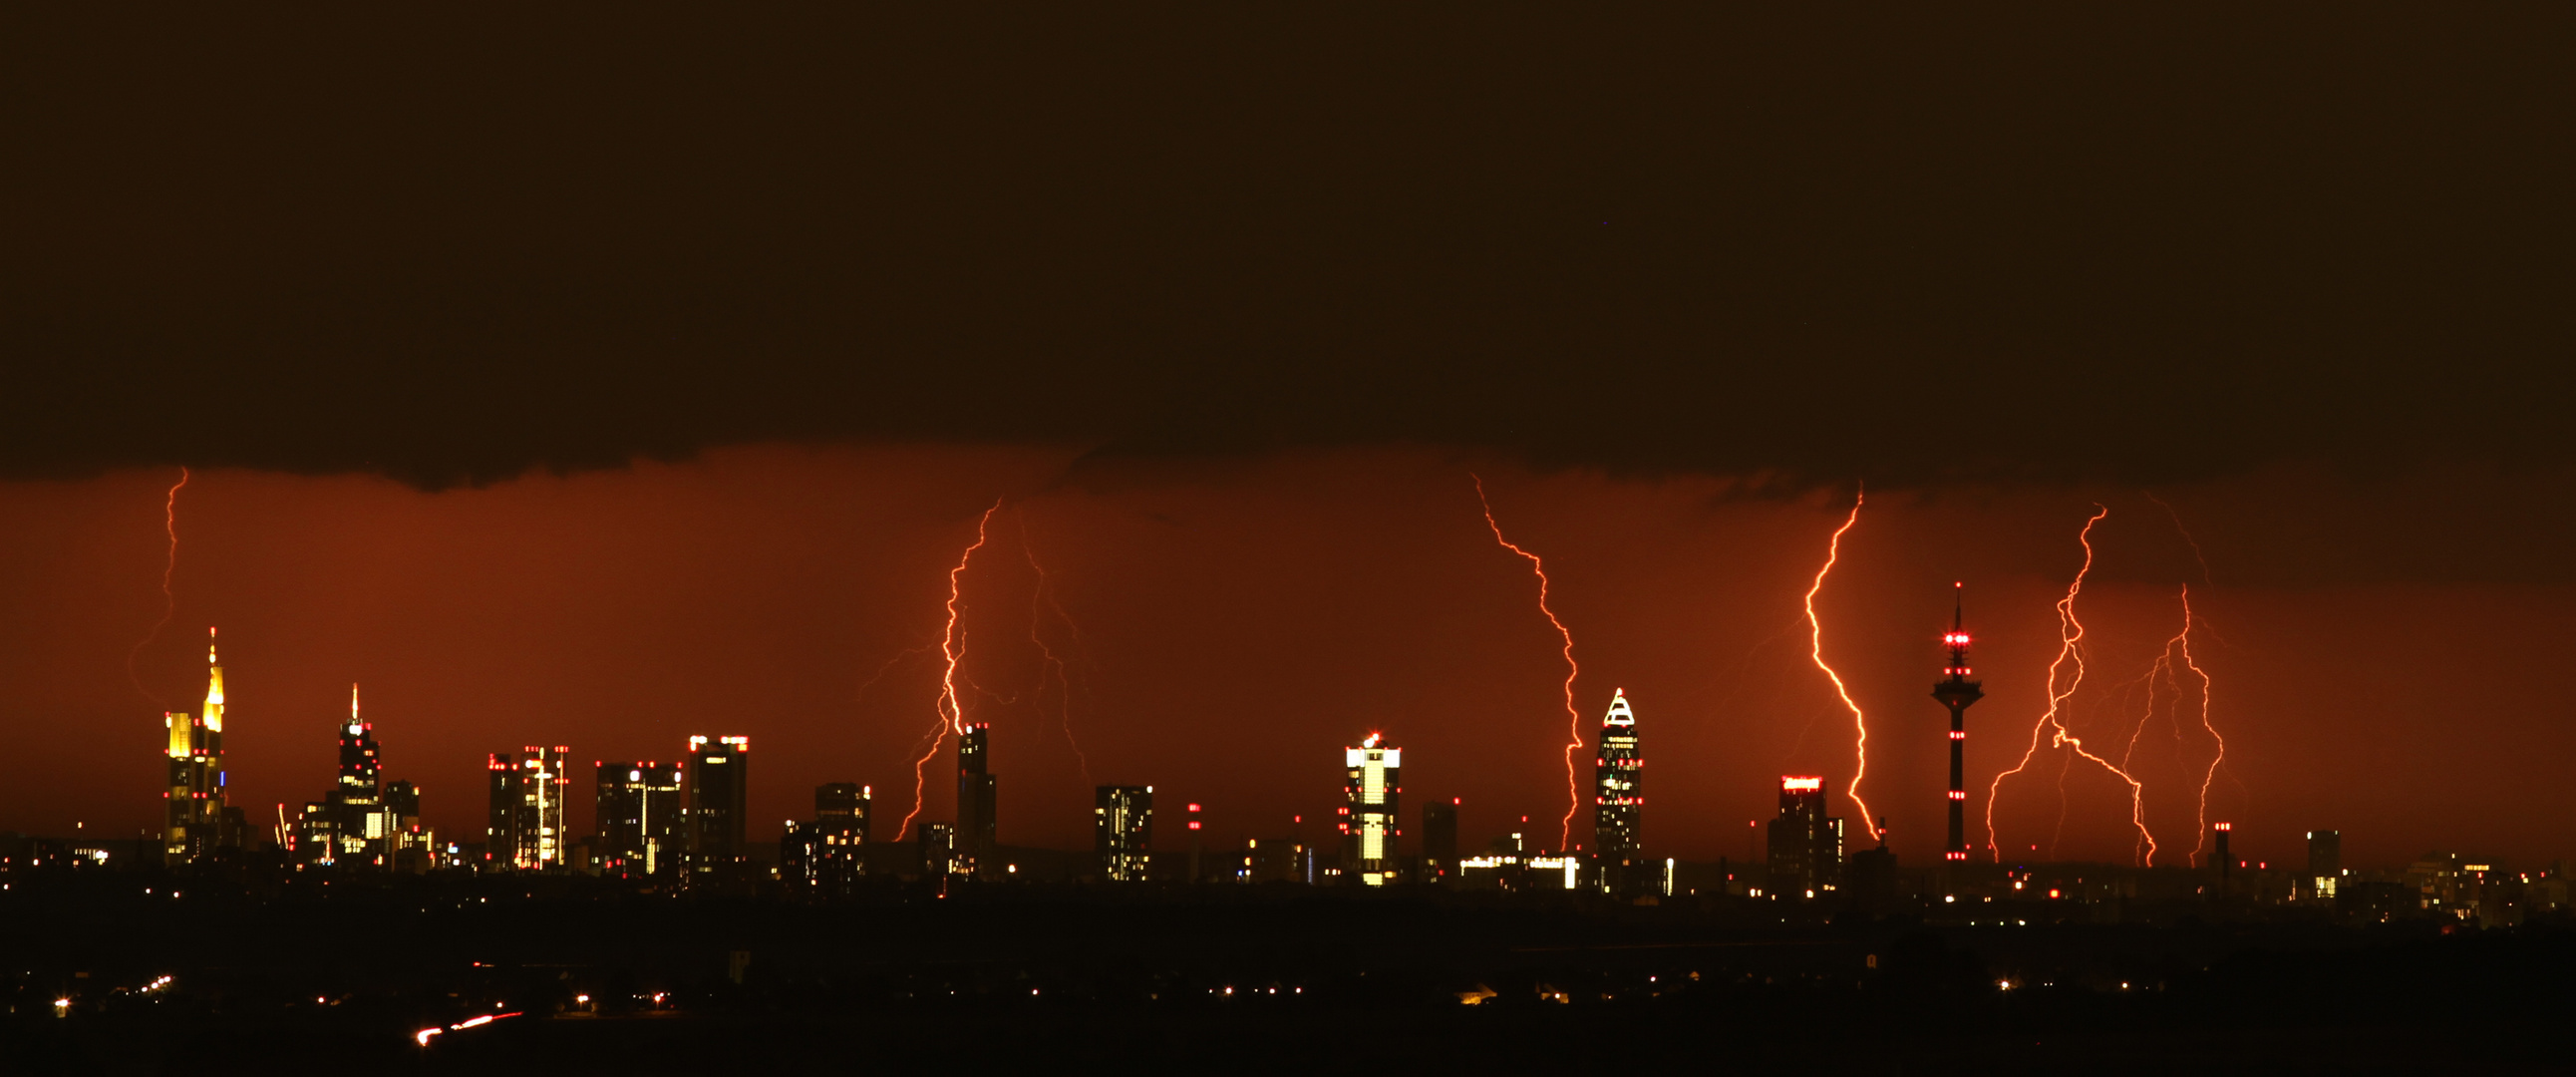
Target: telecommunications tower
(1957, 692)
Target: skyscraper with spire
(1957, 692)
(1618, 852)
(196, 821)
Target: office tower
(638, 807)
(2218, 849)
(938, 849)
(975, 781)
(1957, 692)
(1375, 772)
(1806, 844)
(840, 836)
(2325, 862)
(1440, 841)
(362, 826)
(719, 781)
(512, 828)
(1617, 804)
(545, 843)
(1122, 831)
(195, 819)
(414, 844)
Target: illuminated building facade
(976, 832)
(1956, 692)
(1617, 805)
(638, 808)
(195, 820)
(362, 825)
(1440, 841)
(835, 843)
(719, 783)
(1122, 831)
(2325, 862)
(1374, 782)
(415, 844)
(1806, 844)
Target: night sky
(603, 377)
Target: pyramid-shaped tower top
(1619, 712)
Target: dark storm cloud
(452, 245)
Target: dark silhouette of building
(976, 833)
(938, 849)
(1618, 856)
(719, 783)
(1957, 692)
(639, 809)
(2218, 855)
(1870, 877)
(1122, 831)
(1372, 786)
(2325, 862)
(511, 813)
(1440, 841)
(1806, 844)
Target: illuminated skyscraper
(544, 781)
(362, 824)
(1375, 773)
(1957, 692)
(1122, 831)
(1617, 806)
(638, 809)
(719, 780)
(1806, 844)
(840, 836)
(938, 849)
(195, 819)
(976, 832)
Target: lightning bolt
(1041, 600)
(169, 598)
(952, 714)
(1573, 720)
(2070, 634)
(1816, 652)
(2182, 642)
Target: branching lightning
(169, 598)
(2070, 633)
(2182, 642)
(952, 713)
(1573, 720)
(1816, 653)
(1041, 600)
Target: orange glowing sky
(1240, 620)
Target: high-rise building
(513, 826)
(362, 825)
(2218, 854)
(938, 849)
(976, 833)
(1957, 692)
(196, 821)
(1440, 841)
(1369, 830)
(2325, 862)
(1617, 806)
(839, 836)
(1806, 844)
(414, 843)
(719, 781)
(638, 808)
(1122, 831)
(546, 779)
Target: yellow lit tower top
(214, 687)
